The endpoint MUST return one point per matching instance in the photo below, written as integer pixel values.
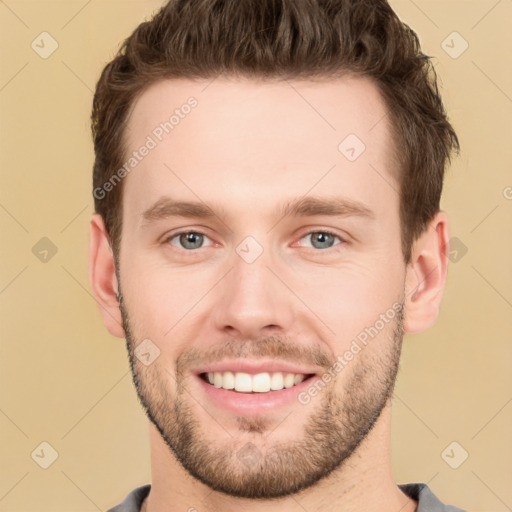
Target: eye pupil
(324, 239)
(191, 240)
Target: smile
(252, 394)
(264, 382)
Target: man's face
(259, 288)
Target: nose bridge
(251, 296)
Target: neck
(363, 482)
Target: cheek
(351, 296)
(161, 300)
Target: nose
(253, 300)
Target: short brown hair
(283, 39)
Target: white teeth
(288, 380)
(217, 379)
(276, 383)
(259, 383)
(243, 382)
(228, 380)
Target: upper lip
(256, 366)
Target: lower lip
(253, 403)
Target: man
(267, 184)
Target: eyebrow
(166, 207)
(331, 206)
(309, 206)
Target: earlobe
(103, 277)
(426, 275)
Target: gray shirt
(427, 501)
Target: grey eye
(189, 240)
(321, 239)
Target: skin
(245, 150)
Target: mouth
(252, 394)
(264, 382)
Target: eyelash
(168, 239)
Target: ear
(426, 275)
(103, 278)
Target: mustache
(270, 347)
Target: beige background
(65, 381)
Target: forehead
(264, 140)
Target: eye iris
(191, 240)
(322, 238)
